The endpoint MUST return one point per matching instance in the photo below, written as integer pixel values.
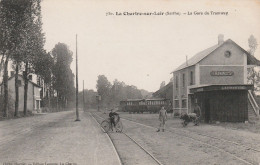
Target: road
(55, 139)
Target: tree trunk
(16, 90)
(5, 82)
(25, 88)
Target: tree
(43, 68)
(63, 78)
(162, 84)
(253, 74)
(90, 98)
(13, 19)
(252, 43)
(103, 88)
(34, 42)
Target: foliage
(253, 77)
(253, 74)
(103, 89)
(43, 66)
(21, 36)
(111, 95)
(63, 78)
(10, 105)
(252, 43)
(162, 85)
(90, 98)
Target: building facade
(215, 79)
(33, 95)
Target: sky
(144, 50)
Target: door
(207, 110)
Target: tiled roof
(163, 90)
(197, 57)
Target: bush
(176, 114)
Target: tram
(145, 105)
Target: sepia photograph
(128, 82)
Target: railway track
(201, 134)
(134, 141)
(208, 142)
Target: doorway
(207, 110)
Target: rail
(253, 102)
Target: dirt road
(55, 138)
(192, 145)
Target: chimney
(220, 39)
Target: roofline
(23, 79)
(212, 52)
(203, 57)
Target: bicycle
(187, 118)
(107, 125)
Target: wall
(181, 92)
(217, 61)
(236, 78)
(30, 97)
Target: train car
(145, 105)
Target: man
(112, 115)
(162, 119)
(197, 111)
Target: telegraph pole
(83, 97)
(77, 87)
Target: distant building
(216, 79)
(165, 92)
(33, 95)
(37, 89)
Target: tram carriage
(144, 105)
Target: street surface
(55, 138)
(200, 145)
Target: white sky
(143, 50)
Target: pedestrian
(112, 117)
(162, 119)
(197, 111)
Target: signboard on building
(221, 73)
(221, 87)
(233, 88)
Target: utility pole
(83, 97)
(77, 87)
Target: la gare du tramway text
(169, 13)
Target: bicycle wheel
(184, 123)
(105, 125)
(119, 127)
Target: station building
(215, 79)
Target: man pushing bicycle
(112, 117)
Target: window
(191, 78)
(176, 103)
(183, 80)
(227, 54)
(176, 80)
(184, 103)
